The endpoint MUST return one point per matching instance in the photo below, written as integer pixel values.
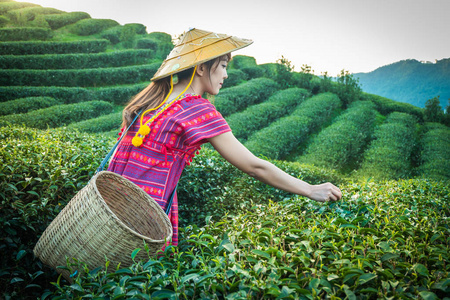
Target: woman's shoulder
(193, 102)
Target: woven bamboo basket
(110, 217)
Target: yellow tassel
(137, 141)
(144, 130)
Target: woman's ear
(200, 70)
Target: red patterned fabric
(175, 137)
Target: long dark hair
(157, 91)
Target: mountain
(409, 81)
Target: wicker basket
(110, 217)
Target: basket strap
(171, 200)
(108, 156)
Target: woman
(175, 121)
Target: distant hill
(409, 81)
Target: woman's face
(217, 75)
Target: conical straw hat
(198, 46)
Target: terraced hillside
(64, 80)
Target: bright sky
(328, 35)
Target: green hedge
(283, 136)
(24, 105)
(91, 26)
(99, 124)
(389, 154)
(115, 34)
(118, 94)
(25, 34)
(57, 21)
(63, 94)
(7, 6)
(237, 98)
(364, 248)
(3, 21)
(59, 115)
(76, 61)
(40, 171)
(30, 13)
(38, 47)
(386, 106)
(435, 152)
(81, 78)
(115, 94)
(257, 116)
(242, 61)
(235, 77)
(341, 144)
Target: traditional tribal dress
(175, 137)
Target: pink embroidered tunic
(175, 137)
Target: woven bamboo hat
(198, 46)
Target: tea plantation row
(384, 239)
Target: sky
(328, 35)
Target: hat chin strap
(144, 129)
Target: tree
(348, 88)
(433, 111)
(284, 72)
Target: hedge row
(24, 105)
(60, 20)
(30, 13)
(235, 77)
(261, 115)
(6, 6)
(39, 47)
(435, 154)
(120, 33)
(76, 61)
(237, 98)
(59, 115)
(25, 34)
(283, 136)
(115, 94)
(91, 26)
(341, 144)
(100, 124)
(82, 78)
(389, 154)
(386, 106)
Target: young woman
(174, 121)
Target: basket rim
(146, 197)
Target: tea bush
(235, 77)
(237, 98)
(119, 94)
(25, 34)
(25, 105)
(59, 115)
(3, 21)
(386, 240)
(386, 106)
(40, 47)
(40, 171)
(78, 78)
(99, 124)
(6, 6)
(435, 152)
(57, 21)
(342, 143)
(76, 61)
(91, 26)
(63, 94)
(284, 135)
(389, 154)
(257, 116)
(242, 61)
(30, 13)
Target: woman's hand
(325, 192)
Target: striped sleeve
(202, 122)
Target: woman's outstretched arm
(239, 156)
